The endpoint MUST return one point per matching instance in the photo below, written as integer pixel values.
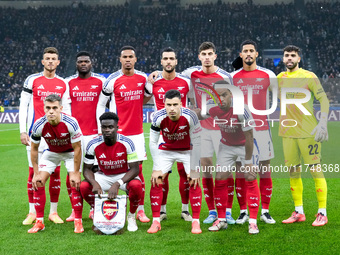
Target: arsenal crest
(110, 209)
(109, 215)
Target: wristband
(120, 181)
(248, 161)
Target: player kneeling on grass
(63, 137)
(118, 167)
(237, 141)
(180, 128)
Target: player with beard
(260, 80)
(36, 88)
(208, 73)
(126, 88)
(85, 88)
(180, 129)
(303, 136)
(166, 81)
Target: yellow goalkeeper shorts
(295, 148)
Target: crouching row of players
(118, 161)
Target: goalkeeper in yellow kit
(303, 136)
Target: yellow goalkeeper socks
(296, 188)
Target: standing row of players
(129, 89)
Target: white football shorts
(139, 143)
(210, 140)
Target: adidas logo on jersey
(180, 88)
(78, 204)
(139, 84)
(102, 156)
(218, 204)
(166, 130)
(197, 204)
(122, 87)
(154, 203)
(48, 135)
(75, 88)
(197, 80)
(161, 90)
(41, 87)
(58, 87)
(240, 81)
(255, 205)
(119, 154)
(94, 86)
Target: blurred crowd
(103, 30)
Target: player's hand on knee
(250, 172)
(194, 182)
(75, 179)
(156, 178)
(36, 179)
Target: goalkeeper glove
(320, 131)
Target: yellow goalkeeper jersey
(304, 123)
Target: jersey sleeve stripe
(111, 77)
(127, 140)
(71, 121)
(93, 141)
(191, 114)
(38, 123)
(158, 114)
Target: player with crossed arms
(118, 167)
(85, 88)
(208, 73)
(180, 128)
(126, 88)
(168, 79)
(63, 137)
(36, 88)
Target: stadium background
(102, 27)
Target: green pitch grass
(175, 236)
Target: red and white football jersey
(161, 86)
(84, 94)
(197, 75)
(232, 126)
(176, 134)
(59, 138)
(260, 80)
(127, 94)
(36, 88)
(111, 159)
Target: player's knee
(135, 185)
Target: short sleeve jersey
(197, 75)
(176, 134)
(161, 86)
(111, 159)
(40, 87)
(59, 138)
(304, 123)
(84, 94)
(127, 94)
(232, 126)
(260, 80)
